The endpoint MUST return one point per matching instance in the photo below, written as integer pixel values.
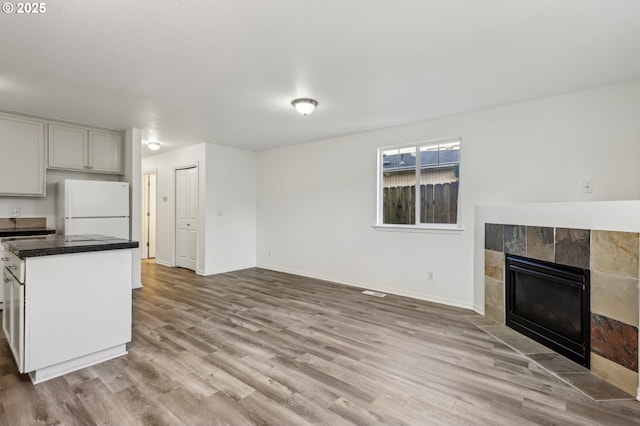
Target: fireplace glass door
(549, 303)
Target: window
(418, 184)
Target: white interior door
(149, 217)
(186, 217)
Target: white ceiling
(225, 72)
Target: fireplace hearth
(606, 265)
(549, 303)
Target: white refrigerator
(87, 207)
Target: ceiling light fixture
(304, 106)
(153, 146)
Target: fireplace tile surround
(612, 257)
(540, 243)
(615, 341)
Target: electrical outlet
(587, 186)
(430, 276)
(17, 212)
(269, 253)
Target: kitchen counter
(15, 232)
(64, 244)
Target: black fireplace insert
(549, 303)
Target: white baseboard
(368, 286)
(443, 301)
(226, 269)
(47, 373)
(215, 271)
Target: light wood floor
(260, 347)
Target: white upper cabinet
(78, 148)
(68, 147)
(22, 156)
(105, 152)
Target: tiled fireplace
(611, 257)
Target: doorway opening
(187, 217)
(149, 184)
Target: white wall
(231, 209)
(132, 143)
(226, 183)
(316, 202)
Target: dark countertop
(15, 232)
(65, 244)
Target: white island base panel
(47, 373)
(77, 312)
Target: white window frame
(446, 228)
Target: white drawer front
(1, 275)
(14, 264)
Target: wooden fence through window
(438, 204)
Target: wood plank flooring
(266, 348)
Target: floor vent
(374, 293)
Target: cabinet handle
(12, 266)
(5, 259)
(6, 280)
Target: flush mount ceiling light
(304, 106)
(153, 146)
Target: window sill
(430, 229)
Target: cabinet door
(2, 258)
(22, 156)
(68, 147)
(6, 309)
(105, 152)
(13, 318)
(17, 323)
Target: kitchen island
(67, 302)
